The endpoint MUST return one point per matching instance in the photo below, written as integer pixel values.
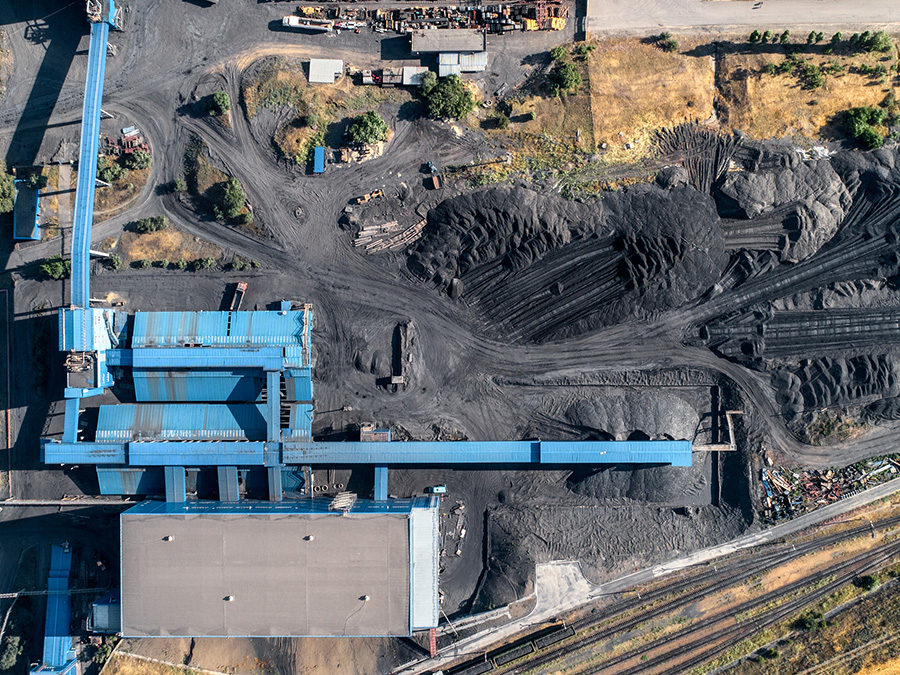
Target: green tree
(870, 138)
(837, 37)
(429, 82)
(669, 45)
(559, 53)
(138, 160)
(201, 264)
(879, 42)
(755, 37)
(785, 36)
(110, 171)
(154, 224)
(219, 103)
(181, 264)
(767, 36)
(450, 98)
(56, 268)
(163, 263)
(11, 652)
(820, 36)
(233, 198)
(811, 37)
(368, 128)
(7, 190)
(502, 121)
(245, 218)
(567, 77)
(177, 185)
(145, 263)
(115, 261)
(867, 582)
(532, 116)
(37, 181)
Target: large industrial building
(305, 567)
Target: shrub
(787, 66)
(139, 160)
(163, 263)
(502, 121)
(177, 185)
(154, 224)
(201, 264)
(233, 198)
(867, 582)
(532, 116)
(669, 45)
(813, 78)
(755, 37)
(56, 268)
(769, 654)
(584, 49)
(245, 218)
(559, 53)
(870, 138)
(115, 261)
(110, 171)
(860, 125)
(219, 103)
(11, 652)
(879, 42)
(567, 77)
(7, 190)
(36, 181)
(145, 263)
(449, 98)
(769, 68)
(181, 264)
(237, 265)
(368, 128)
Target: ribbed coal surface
(542, 268)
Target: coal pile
(654, 415)
(542, 268)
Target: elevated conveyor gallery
(102, 16)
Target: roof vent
(169, 537)
(228, 598)
(309, 537)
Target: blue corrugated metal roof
(381, 483)
(300, 422)
(275, 486)
(130, 480)
(237, 329)
(318, 505)
(87, 165)
(319, 160)
(57, 638)
(267, 358)
(176, 490)
(228, 484)
(298, 384)
(197, 385)
(197, 453)
(83, 453)
(413, 452)
(676, 453)
(197, 421)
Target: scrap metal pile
(526, 15)
(792, 493)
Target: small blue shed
(319, 160)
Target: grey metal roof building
(280, 569)
(447, 40)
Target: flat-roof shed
(26, 211)
(325, 71)
(447, 40)
(280, 569)
(319, 160)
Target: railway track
(730, 636)
(687, 590)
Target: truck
(238, 297)
(436, 490)
(369, 196)
(321, 25)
